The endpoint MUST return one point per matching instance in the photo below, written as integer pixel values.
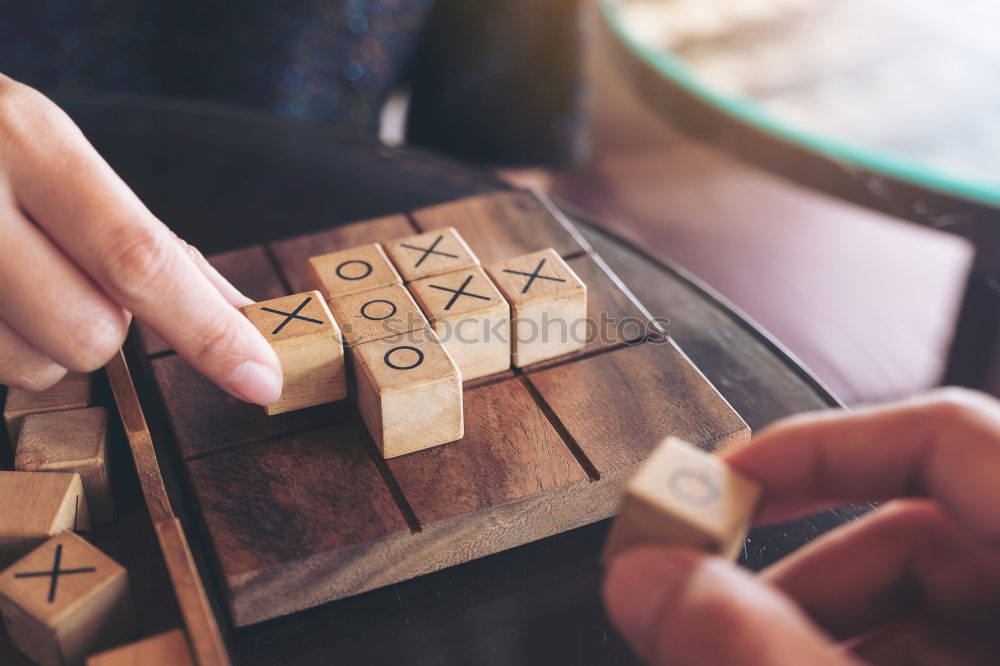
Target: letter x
(55, 573)
(429, 250)
(294, 314)
(459, 292)
(533, 276)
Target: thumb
(679, 606)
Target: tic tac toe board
(300, 509)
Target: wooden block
(248, 269)
(377, 313)
(504, 225)
(685, 497)
(637, 395)
(296, 521)
(431, 253)
(349, 271)
(72, 392)
(167, 649)
(307, 340)
(293, 254)
(64, 600)
(71, 441)
(471, 319)
(36, 506)
(205, 418)
(548, 306)
(409, 392)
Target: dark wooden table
(224, 178)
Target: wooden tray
(300, 509)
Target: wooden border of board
(202, 630)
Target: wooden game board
(300, 509)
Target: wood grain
(74, 391)
(36, 506)
(297, 521)
(167, 649)
(248, 269)
(430, 253)
(505, 225)
(637, 395)
(74, 440)
(60, 621)
(205, 418)
(377, 313)
(294, 253)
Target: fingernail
(639, 584)
(256, 383)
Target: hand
(917, 581)
(82, 254)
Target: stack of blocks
(419, 316)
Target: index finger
(79, 201)
(944, 445)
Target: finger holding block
(370, 315)
(432, 253)
(349, 271)
(64, 600)
(409, 392)
(308, 343)
(548, 304)
(471, 318)
(683, 496)
(35, 506)
(167, 649)
(71, 441)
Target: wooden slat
(505, 225)
(202, 630)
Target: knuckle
(139, 263)
(96, 340)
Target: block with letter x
(306, 338)
(64, 600)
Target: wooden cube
(64, 600)
(36, 506)
(548, 306)
(470, 317)
(377, 313)
(167, 649)
(409, 392)
(72, 392)
(432, 253)
(683, 496)
(348, 271)
(75, 440)
(307, 340)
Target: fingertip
(255, 382)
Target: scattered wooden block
(36, 506)
(548, 306)
(348, 271)
(167, 649)
(72, 392)
(377, 313)
(307, 340)
(64, 600)
(470, 317)
(431, 253)
(683, 496)
(504, 225)
(75, 440)
(409, 392)
(293, 253)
